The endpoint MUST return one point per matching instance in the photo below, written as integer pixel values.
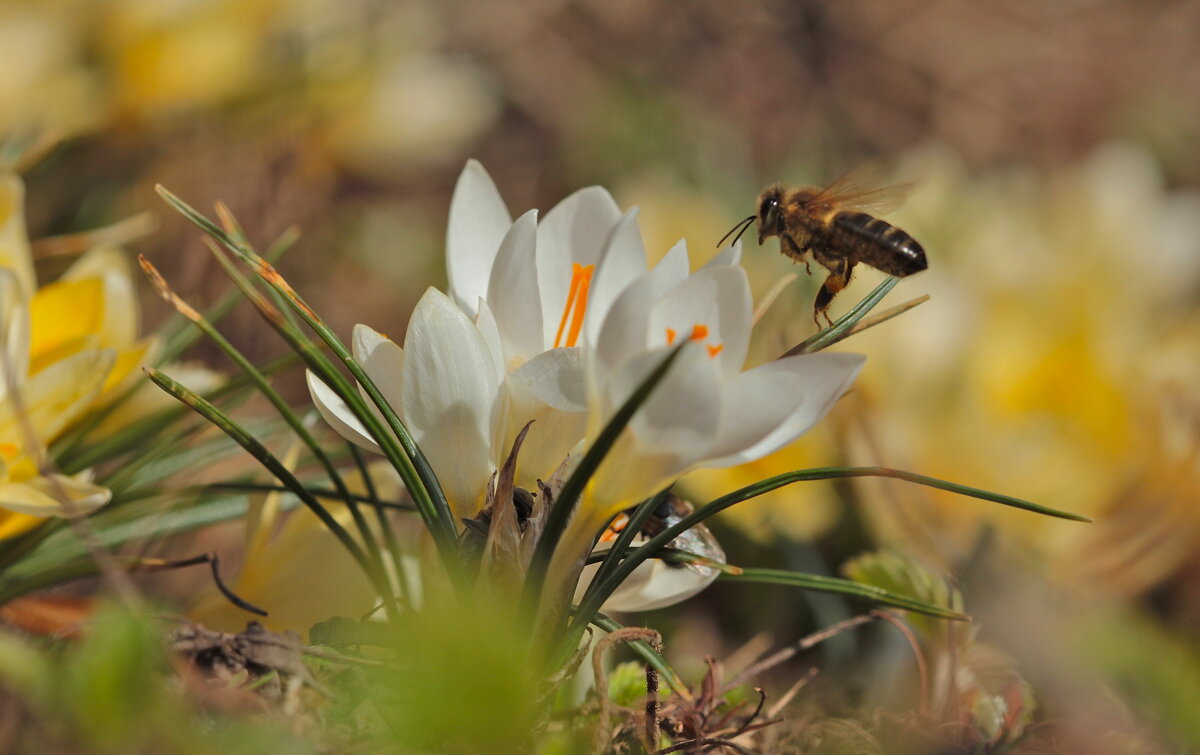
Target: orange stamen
(713, 350)
(9, 450)
(670, 336)
(576, 306)
(699, 332)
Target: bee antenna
(741, 227)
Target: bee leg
(837, 279)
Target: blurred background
(1052, 147)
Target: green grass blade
(838, 330)
(844, 587)
(259, 381)
(272, 464)
(568, 498)
(634, 559)
(621, 545)
(427, 493)
(328, 372)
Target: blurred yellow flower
(1061, 304)
(294, 568)
(1057, 361)
(66, 347)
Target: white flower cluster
(559, 321)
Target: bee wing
(861, 190)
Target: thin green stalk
(272, 464)
(620, 546)
(185, 336)
(178, 337)
(846, 587)
(847, 321)
(327, 372)
(568, 498)
(428, 494)
(389, 535)
(138, 434)
(285, 412)
(634, 559)
(260, 487)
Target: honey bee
(838, 225)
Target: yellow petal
(126, 364)
(65, 311)
(119, 314)
(58, 395)
(43, 496)
(14, 243)
(303, 576)
(13, 524)
(149, 398)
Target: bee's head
(769, 216)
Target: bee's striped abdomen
(880, 244)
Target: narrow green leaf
(414, 469)
(847, 321)
(272, 464)
(621, 545)
(845, 587)
(568, 498)
(259, 381)
(592, 604)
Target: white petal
(451, 398)
(753, 405)
(731, 255)
(683, 412)
(485, 321)
(549, 389)
(573, 232)
(656, 584)
(555, 378)
(41, 496)
(624, 330)
(825, 378)
(383, 361)
(337, 414)
(478, 221)
(672, 268)
(14, 242)
(513, 292)
(716, 297)
(622, 262)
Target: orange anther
(670, 336)
(576, 306)
(713, 350)
(699, 332)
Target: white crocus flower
(558, 321)
(538, 291)
(706, 411)
(445, 385)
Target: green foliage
(902, 575)
(627, 684)
(465, 683)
